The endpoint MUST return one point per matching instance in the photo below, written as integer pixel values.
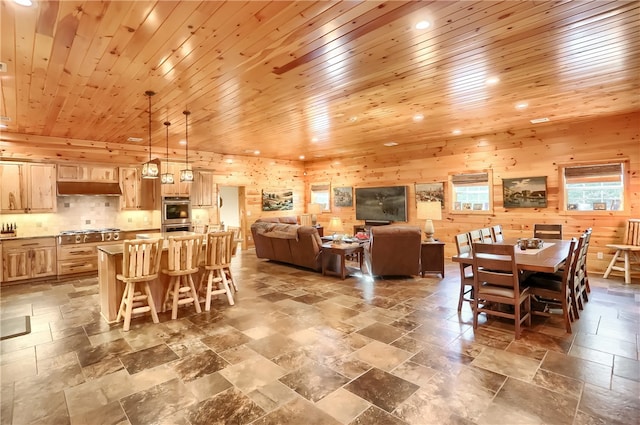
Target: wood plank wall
(520, 153)
(536, 151)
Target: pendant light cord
(149, 93)
(186, 135)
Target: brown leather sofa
(393, 251)
(290, 219)
(288, 243)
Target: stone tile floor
(300, 348)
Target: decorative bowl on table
(530, 243)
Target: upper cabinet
(203, 193)
(27, 188)
(89, 173)
(177, 188)
(137, 193)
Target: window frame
(318, 190)
(452, 197)
(626, 200)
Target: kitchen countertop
(117, 249)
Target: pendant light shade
(150, 169)
(186, 175)
(166, 177)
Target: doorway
(232, 211)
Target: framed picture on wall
(277, 199)
(526, 192)
(343, 196)
(430, 192)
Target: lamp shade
(335, 225)
(429, 211)
(314, 208)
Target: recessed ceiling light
(391, 144)
(229, 161)
(353, 119)
(23, 2)
(418, 117)
(256, 152)
(134, 139)
(456, 132)
(182, 142)
(522, 105)
(423, 25)
(314, 139)
(301, 157)
(492, 81)
(3, 126)
(539, 120)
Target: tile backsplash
(81, 213)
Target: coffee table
(341, 250)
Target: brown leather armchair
(393, 251)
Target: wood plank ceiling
(315, 78)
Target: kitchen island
(110, 264)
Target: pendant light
(150, 169)
(167, 177)
(186, 175)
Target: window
(320, 194)
(594, 187)
(471, 192)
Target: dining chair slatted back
(486, 235)
(183, 256)
(496, 233)
(547, 231)
(475, 236)
(549, 287)
(217, 260)
(578, 274)
(140, 264)
(497, 281)
(628, 252)
(463, 245)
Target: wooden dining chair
(475, 236)
(628, 252)
(486, 235)
(182, 263)
(496, 233)
(217, 258)
(551, 290)
(497, 281)
(463, 245)
(140, 265)
(547, 231)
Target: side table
(432, 258)
(340, 251)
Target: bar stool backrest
(141, 258)
(218, 251)
(184, 253)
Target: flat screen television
(381, 203)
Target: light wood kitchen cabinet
(88, 173)
(203, 192)
(28, 258)
(137, 193)
(77, 258)
(27, 188)
(177, 188)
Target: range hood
(89, 189)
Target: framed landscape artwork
(343, 196)
(526, 192)
(381, 203)
(429, 192)
(277, 199)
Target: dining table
(547, 259)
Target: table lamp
(314, 210)
(429, 211)
(335, 226)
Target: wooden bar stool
(628, 252)
(140, 264)
(217, 261)
(182, 262)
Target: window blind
(601, 172)
(470, 178)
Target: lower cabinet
(28, 258)
(77, 259)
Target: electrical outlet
(600, 256)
